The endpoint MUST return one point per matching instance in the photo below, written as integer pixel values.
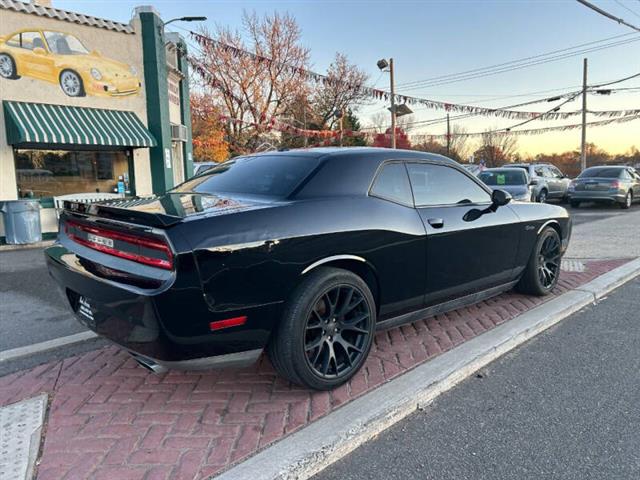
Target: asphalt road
(565, 405)
(592, 212)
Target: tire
(628, 200)
(574, 203)
(542, 196)
(8, 68)
(308, 346)
(71, 83)
(543, 268)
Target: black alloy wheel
(337, 331)
(326, 330)
(549, 261)
(543, 269)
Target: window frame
(381, 167)
(461, 170)
(39, 34)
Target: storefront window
(50, 173)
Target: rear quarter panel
(256, 258)
(533, 217)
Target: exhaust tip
(149, 364)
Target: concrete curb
(16, 353)
(308, 451)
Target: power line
(607, 14)
(526, 65)
(633, 12)
(520, 60)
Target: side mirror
(39, 51)
(533, 182)
(499, 198)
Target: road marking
(16, 353)
(20, 435)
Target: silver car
(616, 184)
(548, 181)
(512, 180)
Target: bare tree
(404, 123)
(496, 148)
(253, 87)
(379, 121)
(459, 143)
(341, 90)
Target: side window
(392, 184)
(14, 41)
(556, 172)
(540, 172)
(31, 40)
(441, 185)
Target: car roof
(350, 170)
(326, 153)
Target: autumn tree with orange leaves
(247, 87)
(208, 133)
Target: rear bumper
(166, 326)
(597, 196)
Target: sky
(434, 38)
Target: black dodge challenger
(303, 253)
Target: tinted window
(541, 171)
(440, 185)
(601, 173)
(504, 177)
(392, 183)
(269, 175)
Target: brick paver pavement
(111, 419)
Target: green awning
(40, 123)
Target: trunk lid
(595, 184)
(166, 210)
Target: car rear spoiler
(122, 213)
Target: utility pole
(448, 135)
(393, 105)
(583, 144)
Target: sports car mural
(59, 57)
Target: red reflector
(228, 322)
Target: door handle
(436, 222)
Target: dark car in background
(548, 181)
(512, 180)
(304, 253)
(613, 184)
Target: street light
(184, 19)
(382, 65)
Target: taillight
(615, 184)
(147, 250)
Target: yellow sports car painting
(59, 57)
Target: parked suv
(547, 181)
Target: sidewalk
(564, 406)
(109, 418)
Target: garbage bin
(22, 221)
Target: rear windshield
(267, 175)
(504, 177)
(602, 173)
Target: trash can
(22, 221)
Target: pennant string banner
(277, 125)
(378, 94)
